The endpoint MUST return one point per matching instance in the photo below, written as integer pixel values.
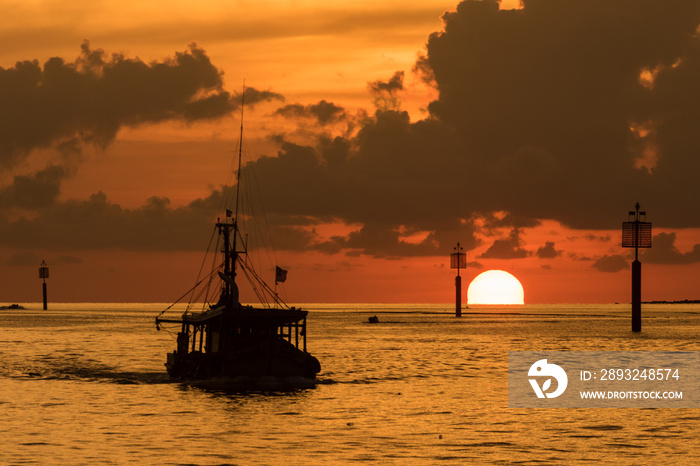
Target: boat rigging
(228, 340)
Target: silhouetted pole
(636, 296)
(458, 297)
(636, 234)
(458, 260)
(44, 274)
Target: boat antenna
(238, 183)
(230, 289)
(240, 152)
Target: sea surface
(85, 384)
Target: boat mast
(238, 179)
(229, 295)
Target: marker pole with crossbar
(458, 260)
(44, 274)
(636, 233)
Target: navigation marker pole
(458, 260)
(44, 274)
(636, 233)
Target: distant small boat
(12, 306)
(231, 343)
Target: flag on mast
(280, 275)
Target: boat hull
(255, 360)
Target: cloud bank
(65, 104)
(562, 110)
(96, 95)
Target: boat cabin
(244, 341)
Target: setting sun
(495, 287)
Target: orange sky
(540, 136)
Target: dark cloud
(386, 92)
(97, 94)
(591, 237)
(97, 224)
(379, 241)
(370, 180)
(494, 221)
(664, 251)
(544, 98)
(323, 112)
(547, 251)
(613, 263)
(252, 97)
(475, 265)
(536, 118)
(564, 110)
(33, 191)
(391, 86)
(63, 105)
(506, 248)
